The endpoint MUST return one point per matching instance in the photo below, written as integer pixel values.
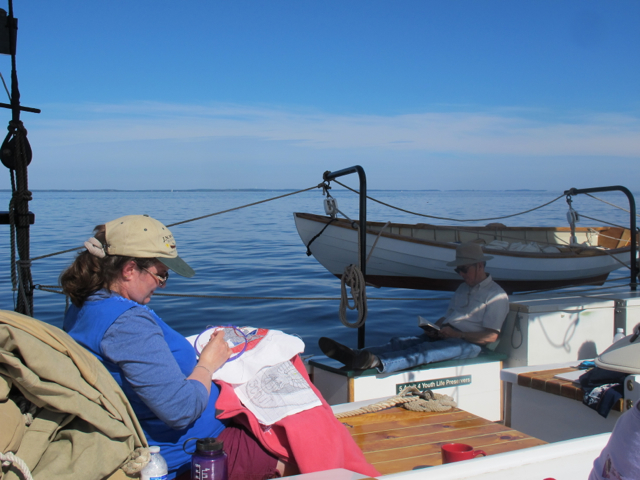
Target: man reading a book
(474, 318)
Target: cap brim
(468, 261)
(178, 266)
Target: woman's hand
(215, 353)
(212, 357)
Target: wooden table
(546, 381)
(397, 440)
(539, 404)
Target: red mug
(455, 452)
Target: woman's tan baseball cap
(141, 236)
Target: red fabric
(313, 439)
(246, 458)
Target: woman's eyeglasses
(162, 279)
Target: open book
(424, 323)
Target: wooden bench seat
(473, 383)
(328, 364)
(546, 381)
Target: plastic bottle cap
(154, 449)
(209, 445)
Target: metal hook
(325, 188)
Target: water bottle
(619, 335)
(156, 469)
(208, 462)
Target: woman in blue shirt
(169, 388)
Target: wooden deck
(397, 440)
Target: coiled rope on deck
(410, 398)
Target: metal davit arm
(328, 176)
(632, 222)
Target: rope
(245, 206)
(353, 277)
(57, 253)
(9, 458)
(411, 399)
(610, 204)
(333, 219)
(451, 219)
(602, 221)
(58, 289)
(376, 240)
(136, 461)
(197, 218)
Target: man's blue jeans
(407, 352)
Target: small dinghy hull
(416, 256)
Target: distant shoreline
(107, 190)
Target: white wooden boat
(416, 256)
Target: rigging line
(610, 204)
(445, 218)
(5, 87)
(57, 253)
(601, 221)
(594, 288)
(194, 219)
(57, 289)
(245, 206)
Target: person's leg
(426, 352)
(399, 343)
(367, 357)
(352, 359)
(246, 457)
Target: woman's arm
(213, 356)
(136, 344)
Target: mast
(15, 154)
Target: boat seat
(326, 363)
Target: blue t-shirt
(150, 361)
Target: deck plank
(396, 440)
(435, 458)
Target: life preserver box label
(436, 383)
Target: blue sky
(481, 94)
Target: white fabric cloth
(620, 458)
(473, 309)
(263, 377)
(276, 392)
(265, 348)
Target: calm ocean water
(257, 252)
